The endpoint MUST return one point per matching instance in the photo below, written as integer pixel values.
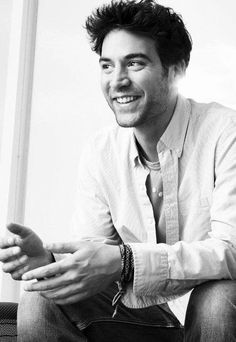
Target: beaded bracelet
(127, 273)
(127, 263)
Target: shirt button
(160, 194)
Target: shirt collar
(174, 135)
(134, 154)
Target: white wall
(68, 105)
(212, 73)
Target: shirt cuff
(150, 268)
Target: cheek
(148, 84)
(104, 86)
(155, 87)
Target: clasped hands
(89, 268)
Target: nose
(119, 78)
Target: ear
(175, 73)
(180, 69)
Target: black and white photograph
(117, 171)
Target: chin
(124, 123)
(123, 120)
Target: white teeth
(126, 99)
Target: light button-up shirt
(197, 154)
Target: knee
(213, 299)
(33, 311)
(212, 308)
(31, 306)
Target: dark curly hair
(145, 17)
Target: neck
(148, 134)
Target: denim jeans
(211, 316)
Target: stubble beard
(146, 116)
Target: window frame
(16, 125)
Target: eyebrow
(129, 56)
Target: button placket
(169, 165)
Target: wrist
(126, 273)
(117, 263)
(127, 264)
(49, 257)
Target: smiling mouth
(126, 99)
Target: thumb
(62, 247)
(18, 229)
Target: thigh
(40, 319)
(211, 313)
(94, 318)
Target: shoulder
(108, 143)
(212, 112)
(211, 118)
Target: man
(156, 204)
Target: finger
(8, 241)
(7, 253)
(63, 292)
(11, 266)
(62, 247)
(47, 271)
(18, 229)
(17, 275)
(47, 283)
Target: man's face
(133, 79)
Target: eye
(136, 64)
(106, 67)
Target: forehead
(119, 43)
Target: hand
(89, 270)
(22, 251)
